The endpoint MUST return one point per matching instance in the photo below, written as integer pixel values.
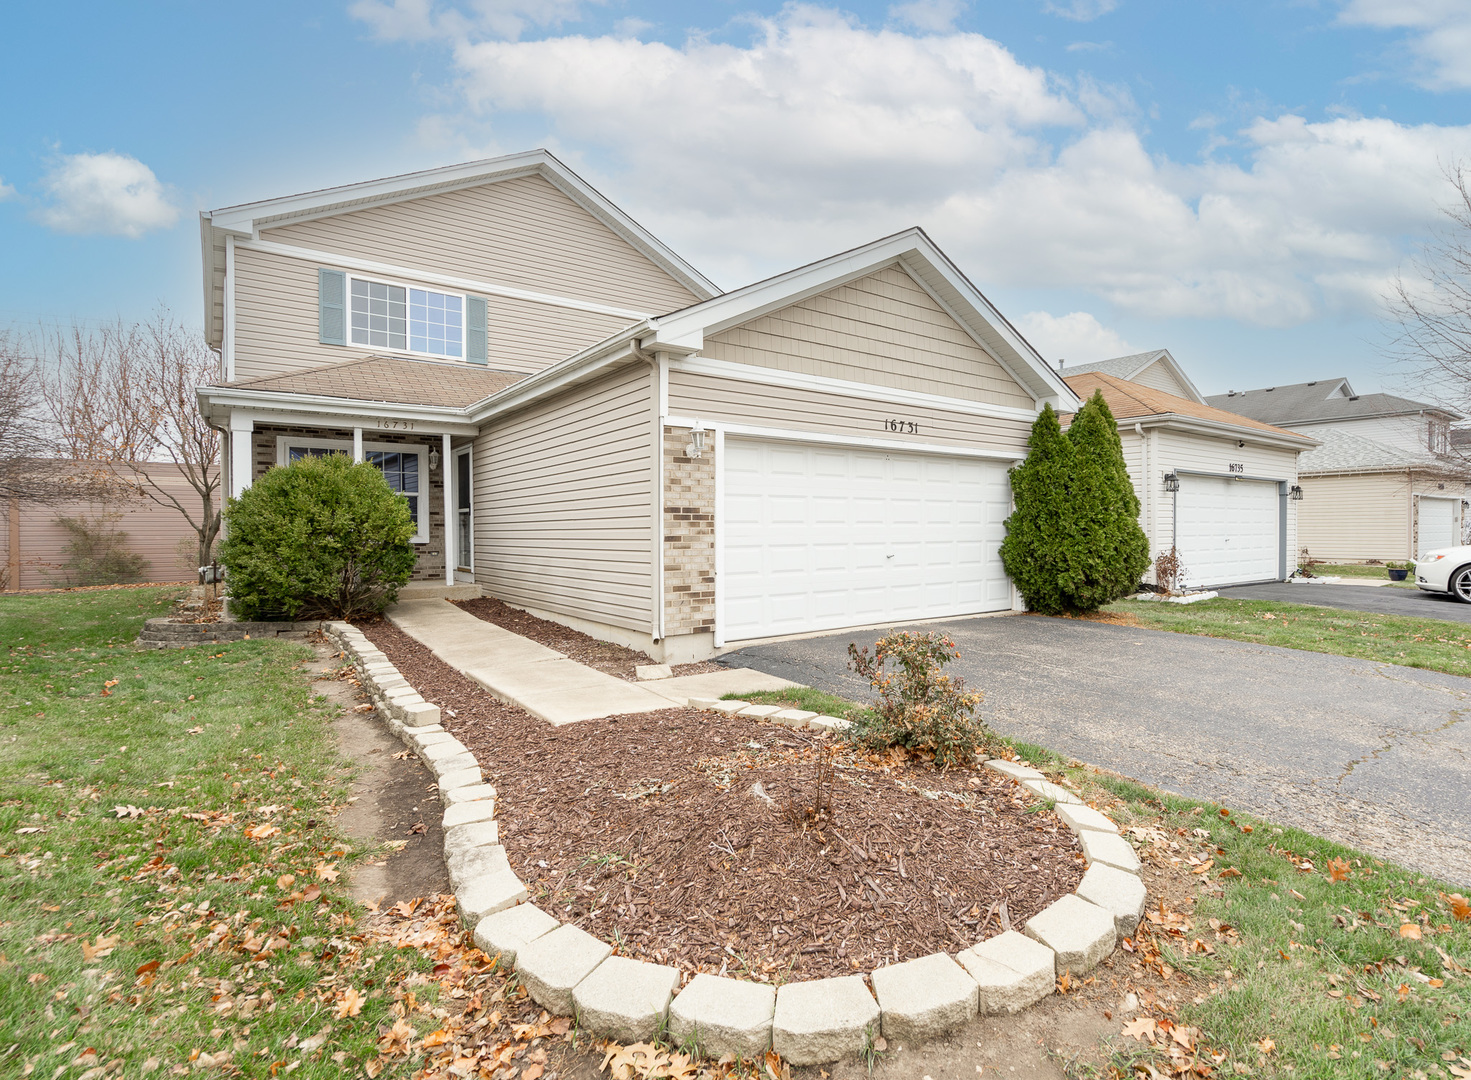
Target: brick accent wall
(430, 566)
(689, 536)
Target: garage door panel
(1437, 523)
(1228, 531)
(817, 538)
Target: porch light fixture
(696, 445)
(433, 460)
(1294, 493)
(1172, 481)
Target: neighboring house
(1218, 488)
(1386, 482)
(611, 441)
(1157, 370)
(33, 546)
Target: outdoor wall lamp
(433, 460)
(1294, 493)
(696, 445)
(1172, 482)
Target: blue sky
(1236, 182)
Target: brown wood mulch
(689, 838)
(605, 656)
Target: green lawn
(168, 864)
(1433, 644)
(1358, 570)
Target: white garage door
(819, 538)
(1437, 523)
(1227, 530)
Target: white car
(1446, 570)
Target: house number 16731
(907, 427)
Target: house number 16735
(907, 427)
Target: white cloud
(423, 20)
(1076, 337)
(6, 191)
(932, 15)
(105, 193)
(1441, 41)
(822, 133)
(1080, 10)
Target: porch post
(446, 467)
(241, 453)
(357, 445)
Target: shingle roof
(1318, 401)
(1344, 452)
(1120, 367)
(391, 379)
(1131, 400)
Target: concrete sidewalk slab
(540, 680)
(716, 684)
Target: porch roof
(390, 379)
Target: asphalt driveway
(1370, 754)
(1383, 601)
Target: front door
(464, 526)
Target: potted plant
(1398, 571)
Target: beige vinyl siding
(1209, 454)
(1406, 432)
(523, 233)
(735, 401)
(1356, 518)
(1157, 376)
(881, 329)
(276, 323)
(564, 503)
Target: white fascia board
(207, 262)
(427, 277)
(314, 408)
(685, 330)
(563, 373)
(797, 380)
(1201, 426)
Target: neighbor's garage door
(818, 538)
(1227, 530)
(1438, 526)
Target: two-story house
(586, 428)
(1385, 483)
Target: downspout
(656, 613)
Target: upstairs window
(384, 316)
(1440, 435)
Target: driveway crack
(1393, 738)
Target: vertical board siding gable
(564, 503)
(882, 329)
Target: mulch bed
(645, 830)
(605, 656)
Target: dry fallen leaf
(1338, 870)
(326, 871)
(128, 811)
(1266, 1046)
(1460, 906)
(262, 832)
(1409, 930)
(350, 1005)
(1141, 1028)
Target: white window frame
(408, 333)
(283, 457)
(465, 560)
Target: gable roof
(247, 219)
(390, 379)
(1134, 401)
(1127, 367)
(683, 332)
(1344, 452)
(1320, 401)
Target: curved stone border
(570, 972)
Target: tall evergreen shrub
(319, 538)
(1035, 551)
(1074, 543)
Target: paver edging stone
(719, 1017)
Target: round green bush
(319, 538)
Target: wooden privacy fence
(34, 544)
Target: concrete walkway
(546, 683)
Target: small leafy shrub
(918, 707)
(97, 553)
(319, 538)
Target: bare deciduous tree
(1431, 309)
(28, 466)
(123, 396)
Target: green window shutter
(475, 343)
(331, 307)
